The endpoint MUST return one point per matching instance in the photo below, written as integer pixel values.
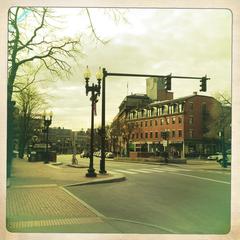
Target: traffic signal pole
(167, 87)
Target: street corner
(100, 178)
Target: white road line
(124, 171)
(168, 169)
(152, 170)
(139, 170)
(203, 178)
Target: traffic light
(167, 82)
(203, 84)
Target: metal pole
(102, 161)
(150, 75)
(224, 164)
(91, 170)
(47, 160)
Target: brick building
(179, 126)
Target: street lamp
(47, 121)
(95, 92)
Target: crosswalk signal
(203, 84)
(167, 82)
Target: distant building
(162, 123)
(61, 139)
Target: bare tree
(30, 43)
(122, 129)
(33, 48)
(29, 103)
(218, 120)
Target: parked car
(84, 154)
(109, 155)
(215, 156)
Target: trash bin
(52, 156)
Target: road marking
(203, 178)
(153, 170)
(140, 170)
(167, 169)
(124, 171)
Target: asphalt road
(161, 199)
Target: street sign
(164, 143)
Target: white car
(219, 157)
(216, 156)
(109, 155)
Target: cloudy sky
(152, 41)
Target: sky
(185, 42)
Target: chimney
(194, 93)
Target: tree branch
(93, 29)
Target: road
(161, 199)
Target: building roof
(181, 99)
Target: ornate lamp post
(47, 121)
(95, 92)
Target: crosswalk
(134, 171)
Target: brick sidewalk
(36, 196)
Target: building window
(190, 120)
(149, 113)
(150, 123)
(146, 123)
(133, 136)
(165, 109)
(190, 133)
(173, 120)
(146, 135)
(167, 120)
(180, 107)
(180, 133)
(179, 120)
(136, 135)
(156, 134)
(175, 108)
(141, 135)
(161, 121)
(173, 134)
(151, 134)
(156, 122)
(141, 124)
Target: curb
(119, 178)
(76, 166)
(150, 162)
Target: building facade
(178, 126)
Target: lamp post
(47, 120)
(95, 92)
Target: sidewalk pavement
(37, 198)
